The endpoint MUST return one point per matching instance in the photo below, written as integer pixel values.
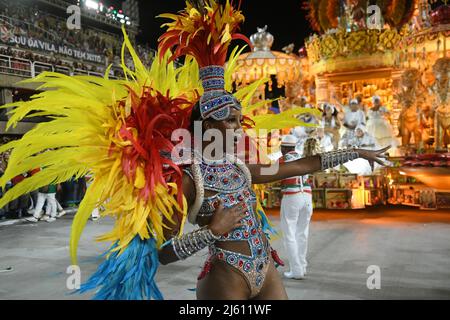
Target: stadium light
(91, 4)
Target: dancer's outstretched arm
(270, 173)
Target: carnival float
(395, 50)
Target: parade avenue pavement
(410, 248)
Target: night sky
(285, 20)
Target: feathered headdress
(204, 30)
(120, 131)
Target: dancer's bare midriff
(224, 281)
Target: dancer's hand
(374, 156)
(226, 219)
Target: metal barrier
(63, 70)
(28, 69)
(87, 73)
(39, 67)
(80, 72)
(16, 66)
(91, 73)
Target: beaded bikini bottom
(253, 268)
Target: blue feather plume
(267, 228)
(128, 276)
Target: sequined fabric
(232, 186)
(216, 102)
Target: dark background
(286, 20)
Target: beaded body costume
(232, 182)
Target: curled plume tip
(203, 33)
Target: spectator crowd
(44, 204)
(30, 21)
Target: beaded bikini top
(232, 182)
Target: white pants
(95, 213)
(58, 206)
(50, 209)
(296, 212)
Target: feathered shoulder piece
(120, 132)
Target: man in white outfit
(60, 210)
(362, 139)
(95, 215)
(324, 139)
(46, 195)
(303, 132)
(296, 211)
(353, 117)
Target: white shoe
(32, 219)
(51, 219)
(95, 218)
(40, 213)
(60, 214)
(291, 275)
(44, 218)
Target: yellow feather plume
(83, 136)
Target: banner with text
(36, 44)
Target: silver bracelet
(176, 250)
(333, 158)
(212, 235)
(192, 242)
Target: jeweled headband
(216, 102)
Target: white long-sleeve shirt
(354, 118)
